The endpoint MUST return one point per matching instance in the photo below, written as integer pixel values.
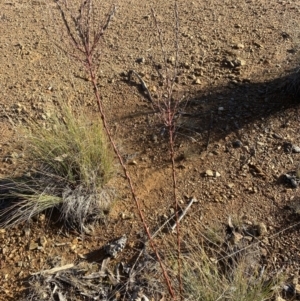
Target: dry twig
(184, 212)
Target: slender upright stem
(174, 180)
(86, 45)
(168, 108)
(127, 175)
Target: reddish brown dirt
(262, 35)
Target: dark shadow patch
(208, 115)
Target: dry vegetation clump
(71, 164)
(219, 270)
(211, 271)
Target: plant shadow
(208, 115)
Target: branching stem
(86, 45)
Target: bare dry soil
(233, 135)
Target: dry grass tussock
(71, 165)
(214, 269)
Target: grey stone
(114, 248)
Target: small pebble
(140, 60)
(291, 180)
(209, 173)
(33, 246)
(262, 229)
(239, 46)
(230, 185)
(197, 81)
(154, 138)
(295, 149)
(237, 144)
(171, 60)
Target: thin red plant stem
(174, 180)
(89, 65)
(168, 111)
(171, 139)
(87, 52)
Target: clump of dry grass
(71, 165)
(214, 270)
(72, 148)
(203, 279)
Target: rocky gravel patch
(237, 130)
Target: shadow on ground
(212, 114)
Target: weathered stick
(184, 212)
(55, 270)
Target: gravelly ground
(234, 62)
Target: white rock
(209, 173)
